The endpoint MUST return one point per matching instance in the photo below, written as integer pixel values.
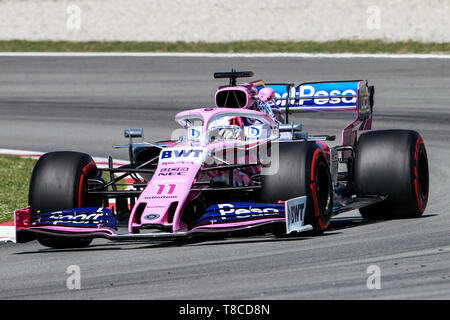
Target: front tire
(302, 171)
(59, 182)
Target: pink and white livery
(238, 166)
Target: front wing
(218, 219)
(228, 218)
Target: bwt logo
(296, 212)
(184, 153)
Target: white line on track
(101, 162)
(227, 55)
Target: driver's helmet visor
(220, 133)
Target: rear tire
(392, 163)
(303, 171)
(59, 182)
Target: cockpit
(203, 126)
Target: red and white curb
(7, 229)
(7, 232)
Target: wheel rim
(422, 175)
(323, 189)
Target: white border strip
(21, 152)
(7, 234)
(101, 162)
(227, 55)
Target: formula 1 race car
(238, 166)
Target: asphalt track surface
(82, 103)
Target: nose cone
(161, 202)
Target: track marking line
(100, 161)
(229, 55)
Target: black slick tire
(59, 182)
(392, 163)
(302, 171)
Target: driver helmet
(266, 94)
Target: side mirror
(134, 133)
(291, 127)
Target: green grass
(341, 46)
(15, 173)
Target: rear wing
(349, 95)
(323, 96)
